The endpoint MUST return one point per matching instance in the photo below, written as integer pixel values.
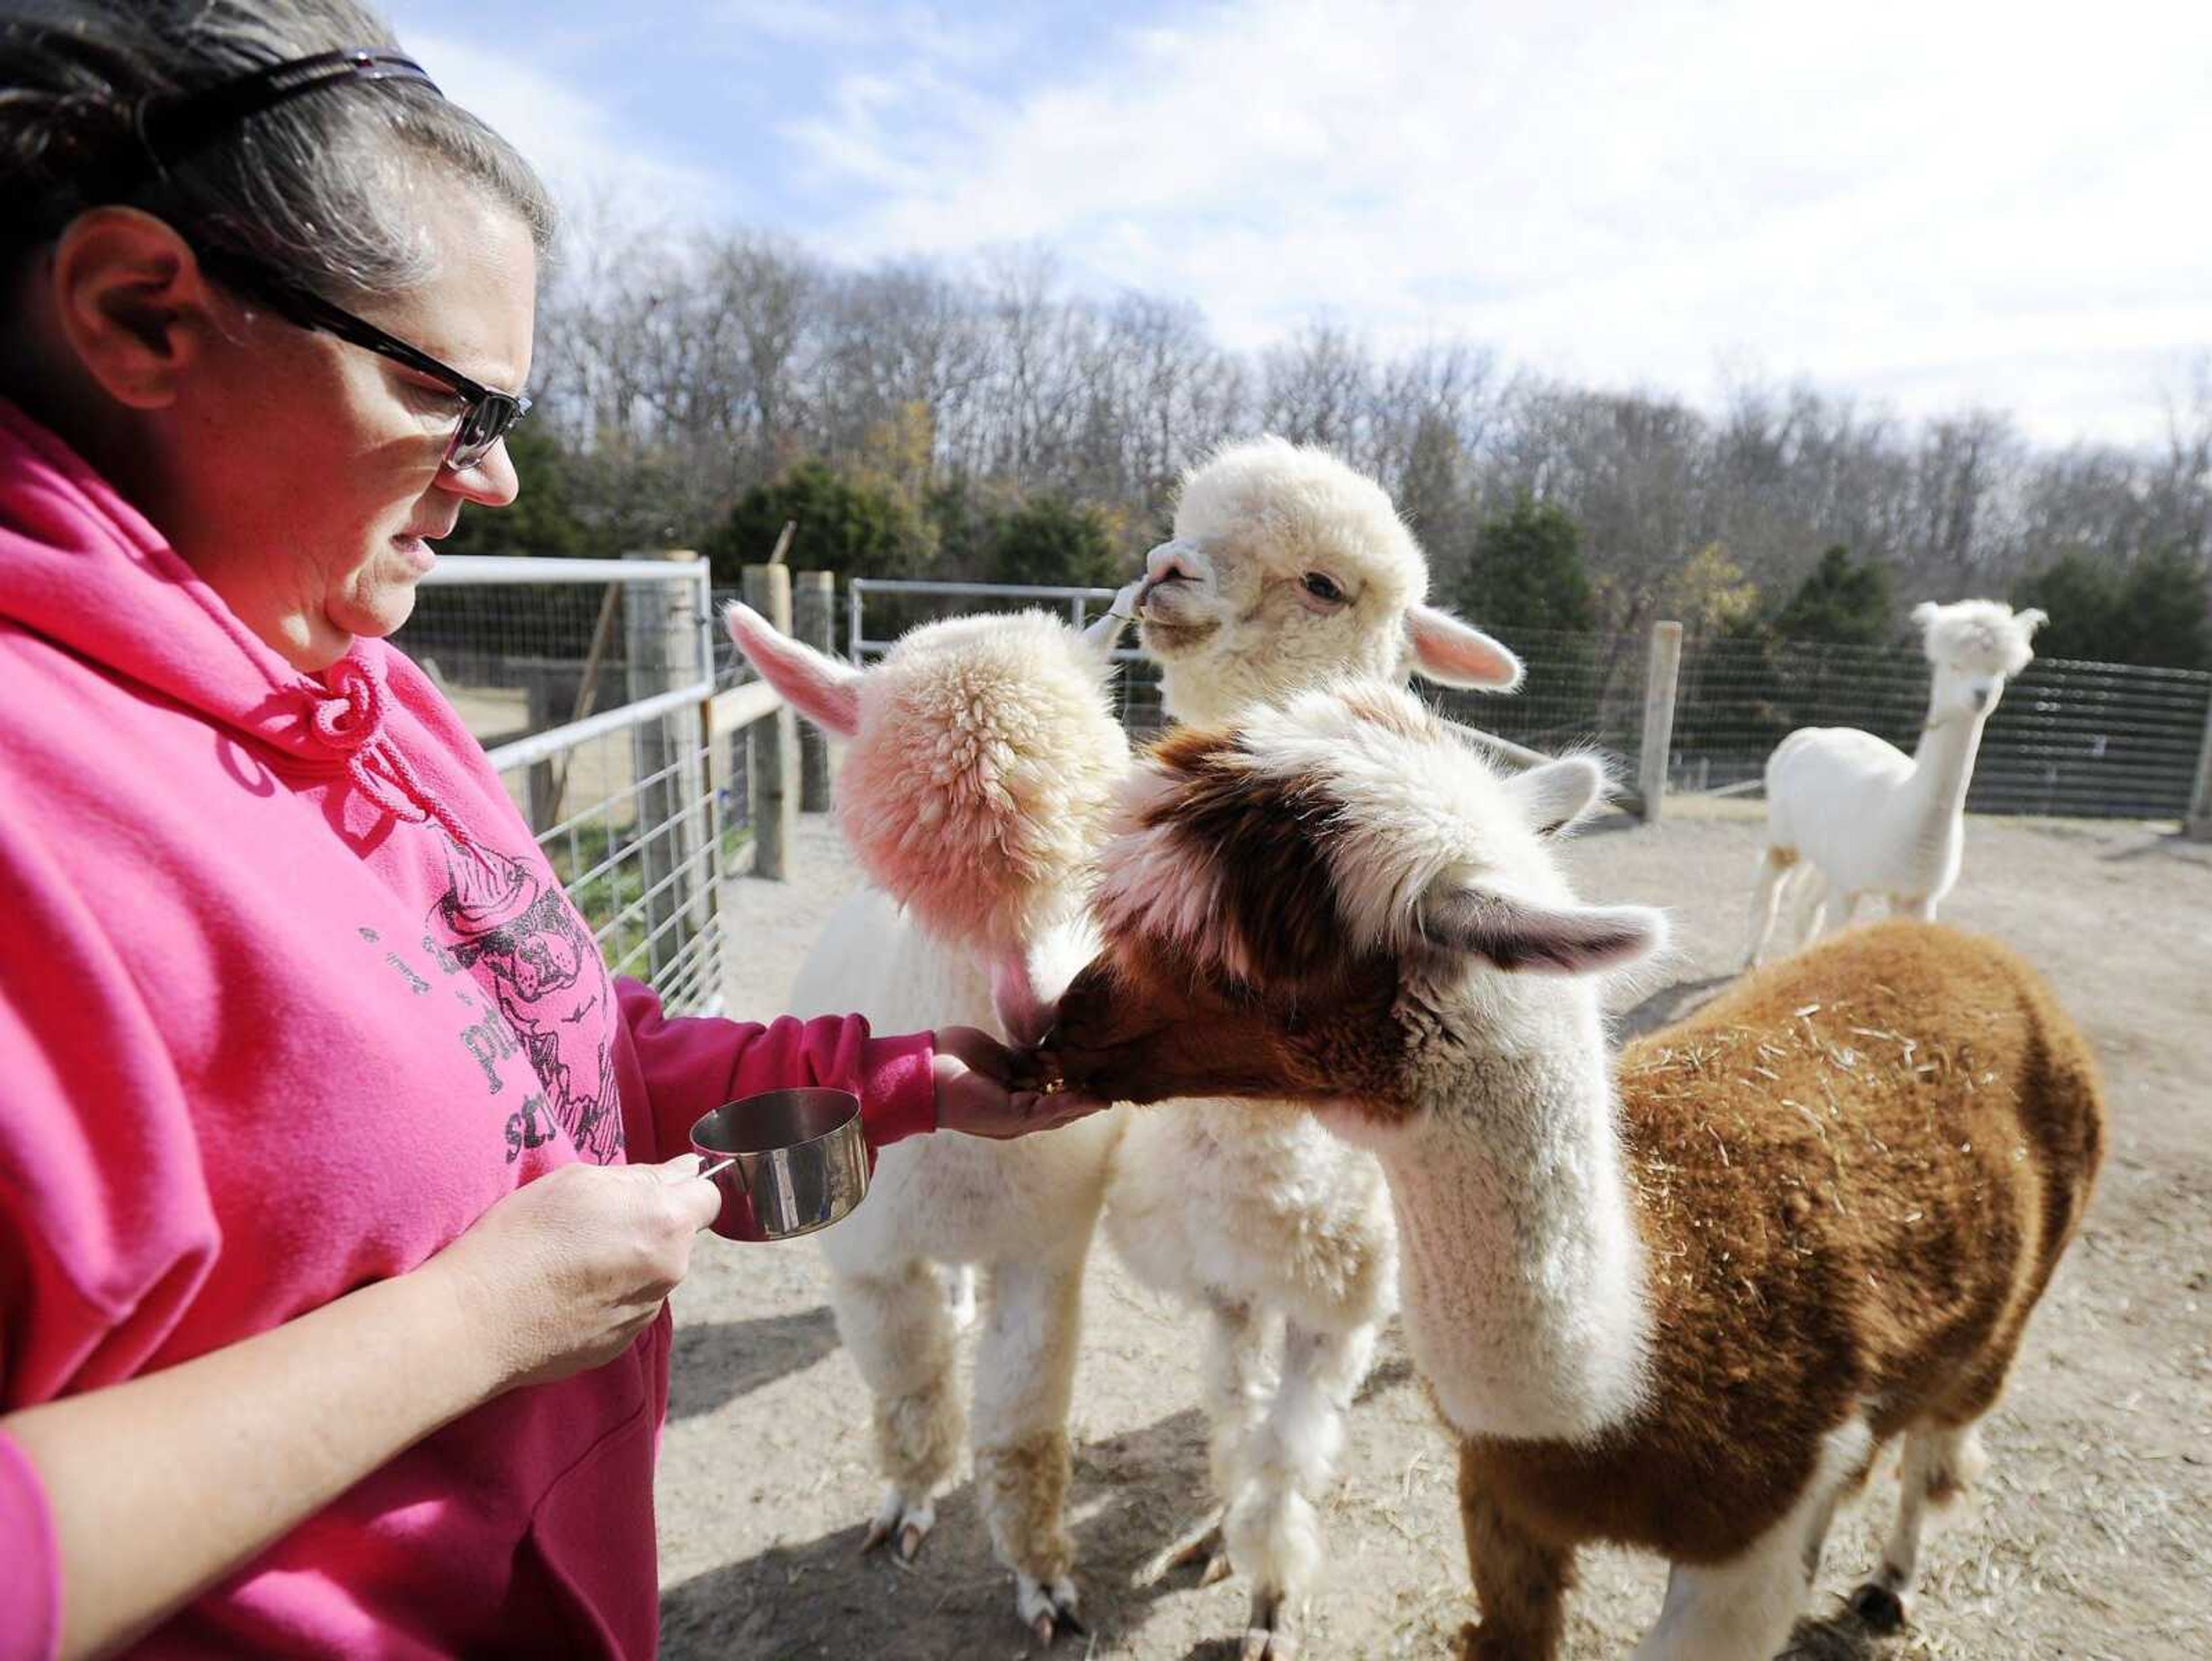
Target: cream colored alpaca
(982, 755)
(1853, 816)
(1287, 569)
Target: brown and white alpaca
(978, 776)
(1676, 1302)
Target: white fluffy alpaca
(982, 757)
(1865, 817)
(1287, 569)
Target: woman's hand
(564, 1274)
(976, 1090)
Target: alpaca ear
(1557, 793)
(1025, 1016)
(1924, 613)
(2031, 619)
(1104, 634)
(1522, 934)
(823, 690)
(1447, 650)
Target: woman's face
(306, 483)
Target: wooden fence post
(2198, 826)
(1661, 669)
(661, 636)
(813, 617)
(774, 741)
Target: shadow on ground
(718, 1361)
(1670, 1004)
(814, 1597)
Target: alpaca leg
(896, 1331)
(1743, 1610)
(1273, 1524)
(1809, 902)
(1842, 908)
(1521, 1583)
(1025, 1378)
(1774, 867)
(1938, 1465)
(1238, 1386)
(1921, 905)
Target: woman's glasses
(487, 417)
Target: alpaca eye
(1322, 587)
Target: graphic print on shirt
(502, 921)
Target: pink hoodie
(288, 999)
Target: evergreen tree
(1527, 572)
(1842, 602)
(2154, 612)
(1049, 540)
(851, 526)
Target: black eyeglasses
(487, 417)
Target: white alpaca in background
(982, 758)
(1865, 817)
(1287, 570)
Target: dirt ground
(2092, 1536)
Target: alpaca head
(1278, 896)
(1287, 568)
(978, 779)
(1976, 647)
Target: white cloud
(594, 162)
(1933, 204)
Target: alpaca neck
(1943, 765)
(1524, 1276)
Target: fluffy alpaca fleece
(1678, 1303)
(1853, 816)
(1287, 569)
(981, 758)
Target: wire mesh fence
(589, 683)
(2073, 739)
(592, 684)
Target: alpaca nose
(1170, 563)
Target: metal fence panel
(588, 682)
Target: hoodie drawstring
(346, 716)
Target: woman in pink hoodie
(340, 1189)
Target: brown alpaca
(1681, 1307)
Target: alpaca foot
(1048, 1610)
(1203, 1540)
(902, 1525)
(1879, 1608)
(1269, 1633)
(1475, 1644)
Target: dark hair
(321, 186)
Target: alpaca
(1287, 568)
(1678, 1304)
(1864, 818)
(981, 760)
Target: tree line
(988, 422)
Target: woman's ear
(130, 302)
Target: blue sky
(1930, 204)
